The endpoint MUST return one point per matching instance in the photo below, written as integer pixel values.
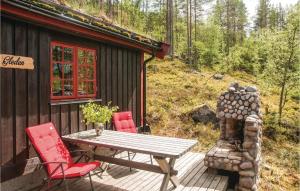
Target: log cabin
(76, 58)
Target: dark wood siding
(25, 94)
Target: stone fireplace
(239, 146)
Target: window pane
(56, 88)
(90, 57)
(57, 53)
(68, 88)
(81, 72)
(57, 70)
(90, 87)
(81, 89)
(85, 88)
(68, 54)
(81, 56)
(89, 73)
(68, 71)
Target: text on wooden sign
(13, 61)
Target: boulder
(204, 114)
(218, 76)
(251, 89)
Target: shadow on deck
(191, 172)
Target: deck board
(191, 172)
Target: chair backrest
(123, 121)
(49, 145)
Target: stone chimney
(239, 146)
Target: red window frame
(75, 66)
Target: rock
(248, 156)
(234, 115)
(245, 112)
(204, 115)
(241, 107)
(222, 97)
(235, 168)
(247, 173)
(253, 106)
(240, 102)
(235, 85)
(218, 76)
(247, 144)
(246, 182)
(221, 114)
(247, 96)
(231, 89)
(246, 165)
(251, 133)
(246, 103)
(227, 96)
(228, 115)
(228, 166)
(251, 89)
(251, 99)
(205, 163)
(233, 157)
(240, 117)
(226, 160)
(254, 188)
(236, 161)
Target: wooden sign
(19, 62)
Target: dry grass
(174, 89)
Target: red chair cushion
(123, 122)
(49, 145)
(76, 170)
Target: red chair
(56, 158)
(122, 121)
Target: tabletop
(159, 146)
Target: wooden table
(161, 148)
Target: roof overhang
(62, 23)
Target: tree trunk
(169, 27)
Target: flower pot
(99, 127)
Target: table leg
(166, 168)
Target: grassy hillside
(175, 89)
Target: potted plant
(97, 115)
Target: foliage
(243, 58)
(283, 68)
(97, 114)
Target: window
(73, 71)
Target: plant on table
(97, 114)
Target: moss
(173, 90)
(100, 22)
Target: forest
(219, 35)
(209, 37)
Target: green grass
(175, 89)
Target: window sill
(69, 102)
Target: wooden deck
(191, 172)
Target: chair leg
(66, 185)
(92, 187)
(49, 184)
